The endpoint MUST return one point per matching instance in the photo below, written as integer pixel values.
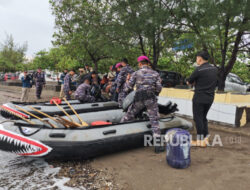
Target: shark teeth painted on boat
(22, 145)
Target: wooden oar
(33, 115)
(61, 108)
(80, 119)
(28, 121)
(66, 122)
(46, 115)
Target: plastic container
(178, 148)
(55, 99)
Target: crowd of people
(88, 87)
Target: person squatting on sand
(148, 86)
(83, 92)
(204, 78)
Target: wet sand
(226, 167)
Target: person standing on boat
(83, 92)
(204, 78)
(40, 82)
(148, 86)
(121, 80)
(68, 86)
(26, 86)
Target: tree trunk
(96, 65)
(225, 70)
(221, 80)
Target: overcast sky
(28, 21)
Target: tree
(220, 27)
(144, 24)
(104, 31)
(12, 55)
(75, 23)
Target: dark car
(171, 79)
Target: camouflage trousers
(39, 88)
(67, 95)
(152, 109)
(121, 96)
(85, 99)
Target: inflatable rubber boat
(41, 140)
(52, 109)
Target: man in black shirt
(204, 78)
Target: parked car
(234, 83)
(171, 79)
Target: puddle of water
(28, 173)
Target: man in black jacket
(204, 78)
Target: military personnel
(62, 76)
(40, 82)
(148, 86)
(204, 78)
(121, 79)
(83, 92)
(68, 86)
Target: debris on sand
(82, 176)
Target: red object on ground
(94, 123)
(55, 99)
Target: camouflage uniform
(83, 93)
(120, 82)
(67, 86)
(148, 85)
(40, 82)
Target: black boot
(159, 149)
(158, 145)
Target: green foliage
(242, 71)
(11, 55)
(181, 62)
(67, 63)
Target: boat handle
(66, 107)
(38, 108)
(94, 105)
(109, 132)
(57, 135)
